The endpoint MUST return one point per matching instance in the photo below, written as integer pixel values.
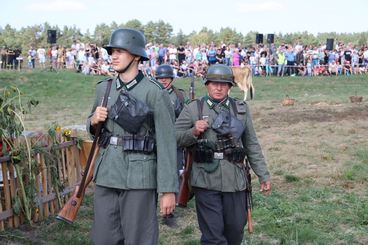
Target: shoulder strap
(200, 108)
(233, 105)
(107, 92)
(155, 82)
(179, 95)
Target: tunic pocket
(142, 171)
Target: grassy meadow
(317, 152)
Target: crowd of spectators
(188, 60)
(263, 60)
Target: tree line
(160, 32)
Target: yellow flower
(67, 132)
(58, 129)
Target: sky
(263, 16)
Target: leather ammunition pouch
(134, 143)
(104, 139)
(224, 142)
(129, 112)
(230, 147)
(203, 152)
(236, 155)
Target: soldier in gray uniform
(220, 133)
(137, 159)
(165, 75)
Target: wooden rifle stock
(69, 212)
(249, 219)
(184, 190)
(249, 196)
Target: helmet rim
(128, 39)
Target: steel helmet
(164, 71)
(129, 39)
(219, 73)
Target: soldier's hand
(99, 115)
(266, 187)
(199, 127)
(167, 203)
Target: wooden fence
(71, 163)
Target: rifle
(69, 212)
(248, 191)
(191, 89)
(184, 190)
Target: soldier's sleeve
(184, 125)
(164, 117)
(253, 149)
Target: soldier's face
(120, 58)
(166, 82)
(217, 90)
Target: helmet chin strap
(127, 67)
(170, 83)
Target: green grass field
(317, 152)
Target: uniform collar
(131, 84)
(170, 90)
(212, 103)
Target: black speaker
(329, 44)
(259, 38)
(51, 36)
(270, 38)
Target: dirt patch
(315, 142)
(313, 113)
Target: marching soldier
(165, 75)
(220, 133)
(138, 149)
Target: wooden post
(70, 165)
(44, 186)
(1, 209)
(13, 182)
(50, 190)
(7, 196)
(39, 194)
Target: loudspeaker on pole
(51, 36)
(329, 44)
(270, 38)
(259, 38)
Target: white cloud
(57, 6)
(252, 7)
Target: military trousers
(221, 216)
(124, 217)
